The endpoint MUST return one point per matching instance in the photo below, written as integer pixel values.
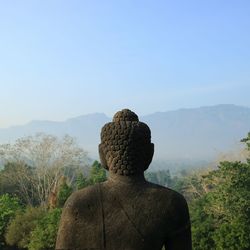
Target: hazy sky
(60, 59)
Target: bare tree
(17, 179)
(48, 157)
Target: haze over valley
(182, 137)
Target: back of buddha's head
(126, 147)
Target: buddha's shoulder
(165, 195)
(83, 198)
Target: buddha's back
(125, 212)
(112, 216)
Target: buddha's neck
(126, 179)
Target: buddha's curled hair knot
(125, 115)
(124, 142)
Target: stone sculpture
(125, 212)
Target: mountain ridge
(188, 133)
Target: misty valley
(40, 171)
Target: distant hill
(85, 128)
(181, 135)
(199, 133)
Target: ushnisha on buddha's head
(126, 147)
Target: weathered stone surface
(125, 212)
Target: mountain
(199, 133)
(183, 135)
(85, 129)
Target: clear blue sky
(60, 59)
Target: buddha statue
(126, 212)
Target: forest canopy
(40, 172)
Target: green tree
(246, 140)
(221, 217)
(8, 207)
(97, 173)
(230, 205)
(44, 235)
(202, 225)
(20, 228)
(81, 181)
(64, 192)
